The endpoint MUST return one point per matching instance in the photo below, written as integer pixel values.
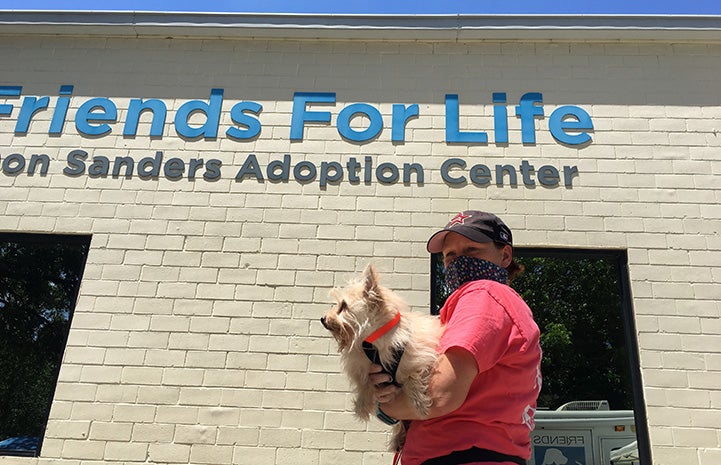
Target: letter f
(8, 91)
(527, 111)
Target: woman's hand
(381, 381)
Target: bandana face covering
(465, 269)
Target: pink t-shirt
(493, 323)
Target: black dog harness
(372, 352)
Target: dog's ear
(370, 281)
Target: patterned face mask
(464, 269)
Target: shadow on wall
(399, 72)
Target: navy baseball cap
(477, 226)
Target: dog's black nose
(322, 320)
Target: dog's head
(360, 307)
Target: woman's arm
(449, 385)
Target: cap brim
(435, 243)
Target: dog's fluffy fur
(362, 307)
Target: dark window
(39, 281)
(582, 304)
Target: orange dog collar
(384, 329)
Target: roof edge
(367, 27)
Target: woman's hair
(514, 269)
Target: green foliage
(577, 305)
(439, 291)
(38, 287)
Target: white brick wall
(195, 338)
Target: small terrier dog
(372, 324)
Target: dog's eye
(342, 306)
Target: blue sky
(678, 7)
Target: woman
(485, 384)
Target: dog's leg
(398, 437)
(363, 402)
(416, 389)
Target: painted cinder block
(202, 295)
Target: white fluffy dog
(370, 322)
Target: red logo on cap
(458, 219)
